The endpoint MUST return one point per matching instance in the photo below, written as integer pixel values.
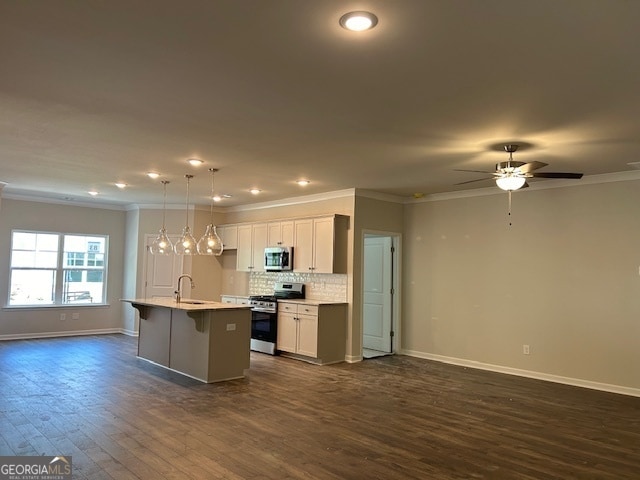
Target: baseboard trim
(69, 333)
(353, 358)
(576, 382)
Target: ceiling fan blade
(531, 166)
(557, 175)
(476, 180)
(475, 171)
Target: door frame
(396, 242)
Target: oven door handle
(263, 310)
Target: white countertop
(185, 305)
(309, 301)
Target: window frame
(62, 270)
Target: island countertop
(187, 304)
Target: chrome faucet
(177, 292)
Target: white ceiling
(96, 92)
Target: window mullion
(60, 273)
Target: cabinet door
(323, 245)
(307, 335)
(229, 299)
(287, 332)
(303, 245)
(229, 236)
(244, 253)
(280, 233)
(259, 242)
(286, 233)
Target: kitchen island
(205, 340)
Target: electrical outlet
(231, 327)
(525, 349)
(75, 316)
(63, 317)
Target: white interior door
(162, 272)
(377, 294)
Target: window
(57, 269)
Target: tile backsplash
(318, 286)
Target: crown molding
(57, 201)
(317, 197)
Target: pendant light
(211, 243)
(186, 244)
(162, 245)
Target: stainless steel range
(264, 315)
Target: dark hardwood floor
(392, 417)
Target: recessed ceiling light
(303, 183)
(121, 185)
(93, 193)
(153, 175)
(196, 162)
(358, 21)
(217, 198)
(255, 191)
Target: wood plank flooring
(392, 417)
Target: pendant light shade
(162, 245)
(186, 244)
(211, 243)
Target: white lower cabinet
(235, 300)
(312, 332)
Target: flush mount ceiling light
(121, 185)
(303, 183)
(255, 191)
(358, 21)
(93, 193)
(195, 162)
(153, 175)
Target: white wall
(564, 279)
(33, 322)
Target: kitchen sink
(194, 302)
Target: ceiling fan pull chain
(509, 215)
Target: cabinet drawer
(287, 307)
(308, 310)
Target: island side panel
(190, 337)
(229, 353)
(154, 336)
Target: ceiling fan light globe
(510, 183)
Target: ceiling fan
(512, 175)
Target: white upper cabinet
(280, 233)
(320, 245)
(252, 240)
(229, 236)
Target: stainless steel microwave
(278, 259)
